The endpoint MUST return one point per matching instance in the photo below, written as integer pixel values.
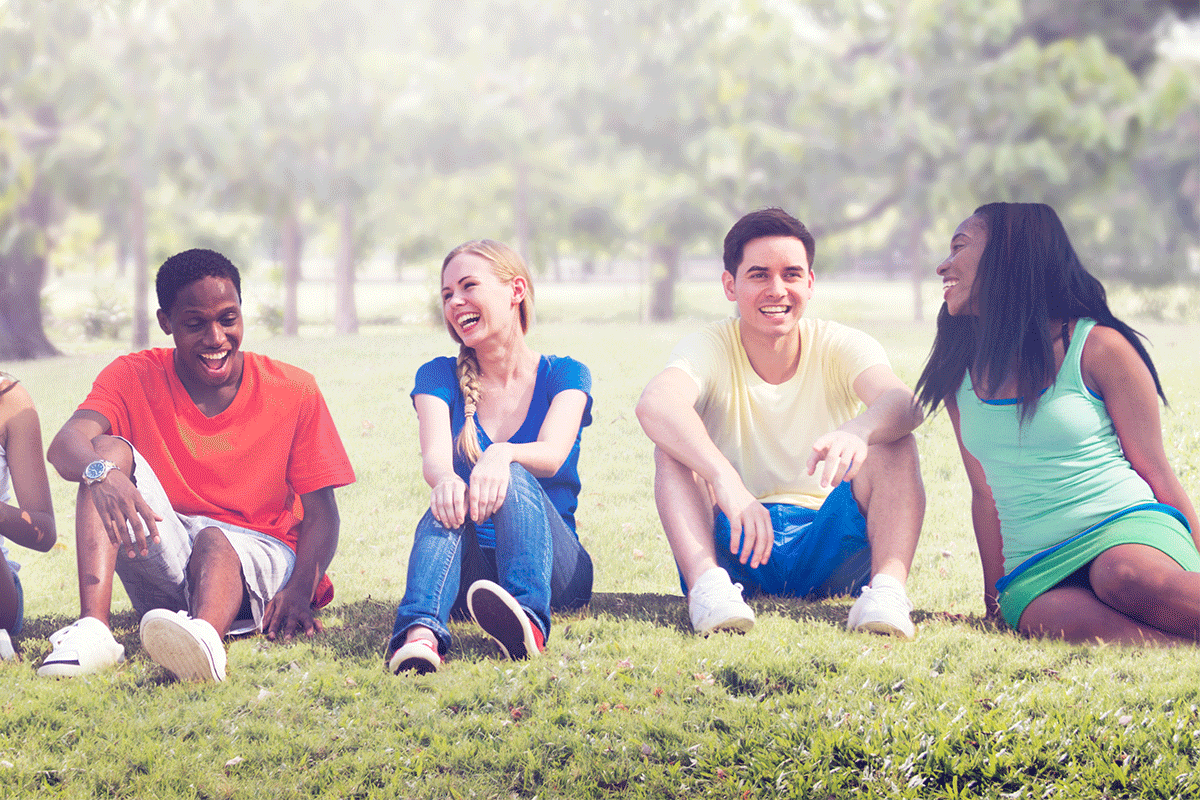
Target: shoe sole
(731, 625)
(419, 664)
(886, 629)
(174, 648)
(489, 603)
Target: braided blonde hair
(506, 265)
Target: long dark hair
(1028, 274)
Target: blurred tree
(37, 40)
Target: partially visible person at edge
(1084, 530)
(29, 523)
(499, 430)
(206, 482)
(768, 476)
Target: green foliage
(107, 315)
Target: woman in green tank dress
(1084, 529)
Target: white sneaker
(6, 648)
(83, 647)
(883, 607)
(716, 604)
(191, 649)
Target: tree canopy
(589, 131)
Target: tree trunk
(22, 275)
(345, 314)
(665, 258)
(22, 334)
(292, 245)
(141, 277)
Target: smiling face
(476, 304)
(959, 269)
(206, 324)
(773, 285)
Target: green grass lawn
(626, 701)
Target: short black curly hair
(191, 265)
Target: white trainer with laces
(83, 647)
(883, 607)
(191, 649)
(715, 604)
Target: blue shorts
(817, 553)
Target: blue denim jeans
(537, 559)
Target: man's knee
(898, 459)
(210, 545)
(896, 465)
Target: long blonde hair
(506, 265)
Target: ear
(164, 322)
(727, 281)
(520, 288)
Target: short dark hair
(764, 222)
(191, 265)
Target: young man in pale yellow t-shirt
(766, 472)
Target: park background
(336, 150)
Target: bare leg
(96, 555)
(8, 597)
(215, 578)
(1148, 586)
(891, 496)
(1077, 615)
(686, 510)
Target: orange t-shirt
(246, 466)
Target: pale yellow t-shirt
(767, 431)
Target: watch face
(95, 471)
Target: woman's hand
(448, 501)
(489, 481)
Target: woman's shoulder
(13, 398)
(1107, 356)
(437, 372)
(1102, 341)
(566, 369)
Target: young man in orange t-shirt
(207, 480)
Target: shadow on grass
(361, 629)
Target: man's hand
(843, 453)
(489, 481)
(448, 502)
(749, 523)
(290, 611)
(122, 510)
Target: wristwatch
(97, 471)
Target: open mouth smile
(467, 321)
(215, 362)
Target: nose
(215, 335)
(942, 267)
